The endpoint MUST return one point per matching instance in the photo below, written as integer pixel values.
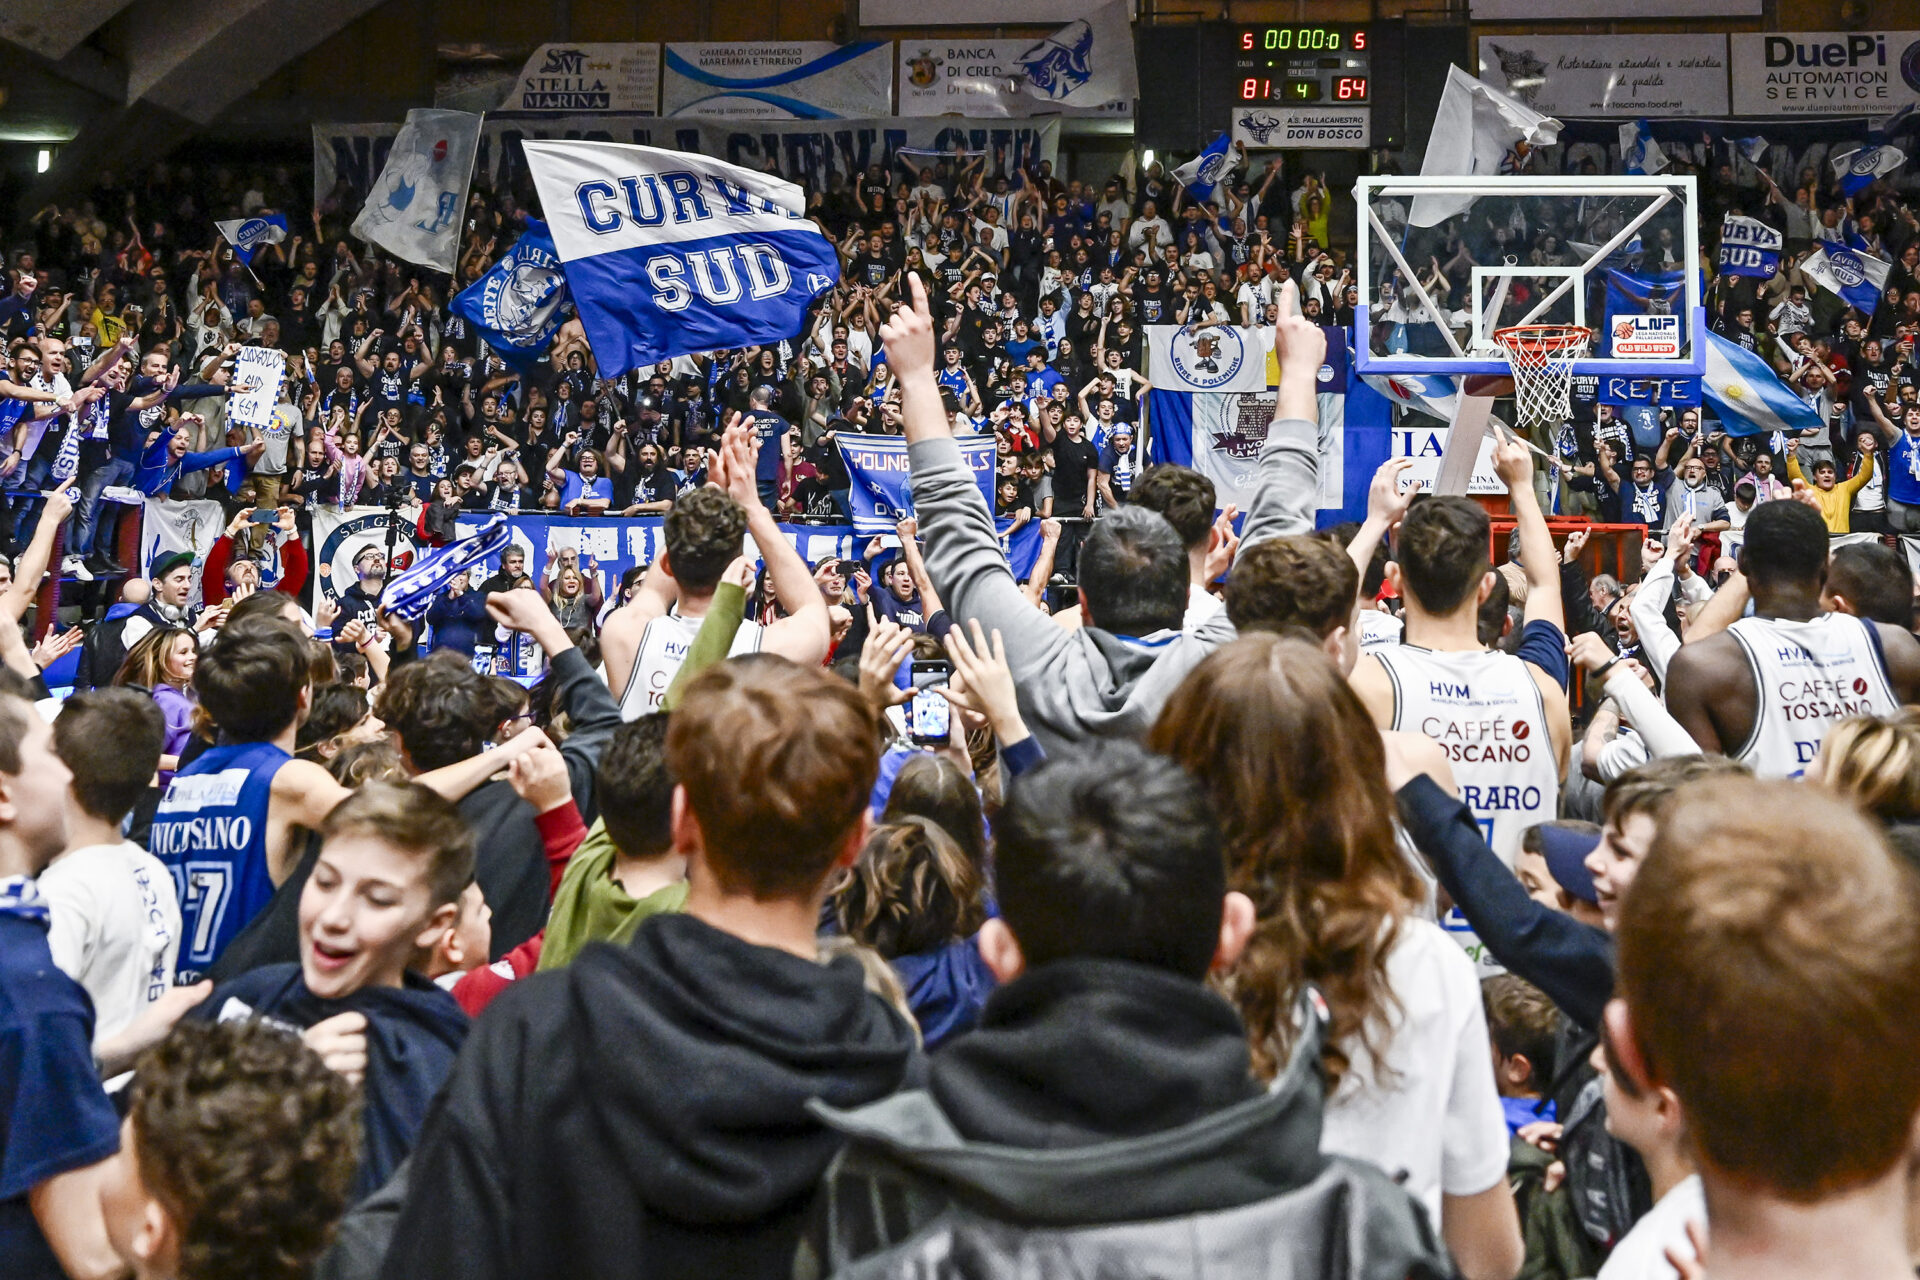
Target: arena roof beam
(54, 30)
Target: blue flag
(1639, 153)
(881, 497)
(521, 300)
(1200, 174)
(1747, 396)
(668, 253)
(1861, 167)
(246, 235)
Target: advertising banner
(576, 78)
(983, 78)
(1570, 77)
(1825, 73)
(793, 80)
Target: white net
(1541, 358)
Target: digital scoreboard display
(1303, 65)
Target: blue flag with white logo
(521, 300)
(1200, 174)
(1857, 276)
(1746, 394)
(668, 253)
(246, 235)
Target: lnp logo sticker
(1646, 337)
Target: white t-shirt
(1642, 1252)
(114, 928)
(1202, 606)
(1437, 1119)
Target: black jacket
(642, 1113)
(510, 859)
(1102, 1121)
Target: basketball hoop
(1541, 357)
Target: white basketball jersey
(1378, 630)
(663, 647)
(1487, 714)
(1810, 676)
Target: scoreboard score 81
(1306, 66)
(1303, 65)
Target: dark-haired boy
(235, 1157)
(386, 885)
(703, 534)
(1501, 719)
(627, 869)
(1185, 499)
(224, 828)
(444, 713)
(659, 1126)
(1105, 1106)
(116, 922)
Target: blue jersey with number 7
(211, 833)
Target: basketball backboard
(1619, 255)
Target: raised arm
(1538, 559)
(806, 633)
(1288, 491)
(963, 547)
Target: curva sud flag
(668, 253)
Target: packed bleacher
(1197, 892)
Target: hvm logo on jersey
(1210, 358)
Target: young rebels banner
(881, 496)
(1748, 247)
(668, 253)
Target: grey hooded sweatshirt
(1087, 683)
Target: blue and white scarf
(20, 896)
(408, 595)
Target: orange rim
(1540, 341)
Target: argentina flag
(669, 253)
(521, 300)
(1746, 394)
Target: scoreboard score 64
(1303, 65)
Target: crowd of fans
(891, 916)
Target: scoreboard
(1345, 80)
(1303, 65)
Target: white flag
(417, 203)
(1473, 132)
(1089, 61)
